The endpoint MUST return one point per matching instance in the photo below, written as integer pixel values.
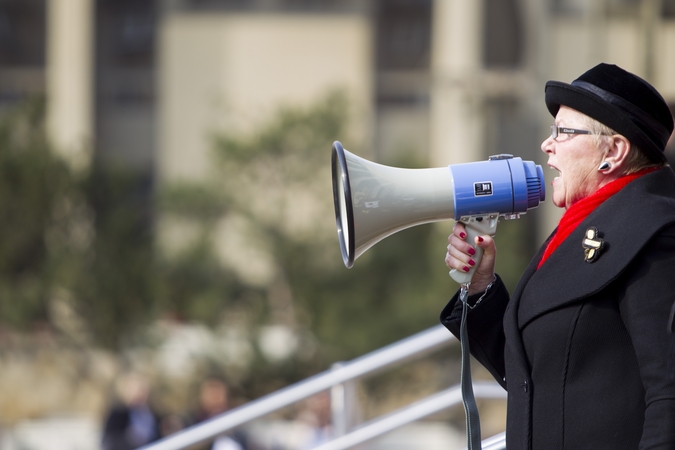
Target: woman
(583, 345)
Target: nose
(547, 145)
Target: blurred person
(214, 397)
(583, 345)
(131, 422)
(170, 424)
(316, 416)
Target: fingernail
(462, 235)
(466, 268)
(472, 262)
(480, 239)
(472, 252)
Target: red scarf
(576, 213)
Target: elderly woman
(584, 345)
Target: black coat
(116, 433)
(584, 349)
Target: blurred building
(142, 83)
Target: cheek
(575, 185)
(578, 175)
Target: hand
(459, 257)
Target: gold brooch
(592, 245)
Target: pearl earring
(604, 166)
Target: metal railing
(419, 410)
(496, 442)
(338, 377)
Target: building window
(668, 9)
(503, 45)
(403, 34)
(22, 33)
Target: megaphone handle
(474, 228)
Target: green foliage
(82, 238)
(277, 183)
(260, 249)
(196, 287)
(117, 282)
(34, 188)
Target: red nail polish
(480, 239)
(466, 269)
(472, 262)
(462, 235)
(472, 252)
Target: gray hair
(636, 159)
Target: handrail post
(337, 407)
(343, 405)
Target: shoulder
(639, 217)
(641, 209)
(657, 187)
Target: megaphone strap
(466, 386)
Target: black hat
(620, 100)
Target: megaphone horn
(373, 201)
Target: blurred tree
(263, 257)
(82, 239)
(37, 197)
(276, 185)
(117, 284)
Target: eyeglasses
(556, 131)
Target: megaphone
(374, 201)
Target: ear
(617, 153)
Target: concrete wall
(232, 72)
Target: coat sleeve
(484, 325)
(645, 309)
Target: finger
(457, 242)
(487, 243)
(458, 230)
(461, 258)
(454, 263)
(486, 265)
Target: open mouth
(556, 169)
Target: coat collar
(626, 222)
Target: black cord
(470, 407)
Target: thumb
(486, 266)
